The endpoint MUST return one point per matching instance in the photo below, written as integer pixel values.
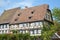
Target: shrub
(18, 36)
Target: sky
(10, 4)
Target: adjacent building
(29, 20)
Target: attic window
(32, 12)
(16, 19)
(30, 17)
(18, 14)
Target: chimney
(19, 7)
(26, 6)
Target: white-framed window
(25, 25)
(41, 24)
(0, 26)
(20, 25)
(32, 24)
(31, 31)
(6, 31)
(37, 23)
(26, 31)
(15, 26)
(12, 25)
(39, 31)
(5, 26)
(2, 31)
(35, 31)
(23, 31)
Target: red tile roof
(11, 16)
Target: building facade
(28, 20)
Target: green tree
(56, 14)
(48, 33)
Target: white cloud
(8, 4)
(21, 4)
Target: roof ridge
(37, 6)
(12, 9)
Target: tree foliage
(48, 33)
(15, 36)
(56, 14)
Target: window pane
(0, 26)
(31, 32)
(2, 31)
(37, 23)
(20, 25)
(32, 24)
(23, 32)
(35, 31)
(26, 25)
(15, 26)
(5, 26)
(26, 31)
(20, 31)
(41, 24)
(5, 31)
(39, 31)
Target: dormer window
(30, 17)
(16, 19)
(18, 14)
(32, 12)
